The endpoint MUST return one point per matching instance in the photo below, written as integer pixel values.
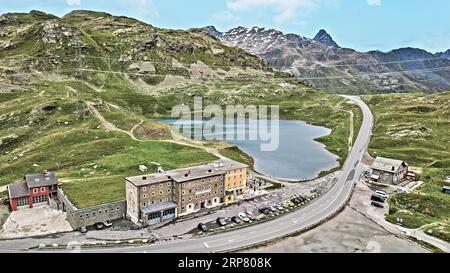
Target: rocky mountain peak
(324, 38)
(211, 30)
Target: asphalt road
(318, 210)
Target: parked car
(243, 217)
(221, 221)
(107, 223)
(377, 198)
(279, 207)
(264, 210)
(273, 209)
(202, 227)
(235, 219)
(377, 204)
(83, 229)
(382, 193)
(300, 198)
(250, 215)
(99, 226)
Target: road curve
(314, 213)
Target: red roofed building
(34, 191)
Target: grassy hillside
(416, 128)
(79, 95)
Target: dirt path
(135, 126)
(108, 125)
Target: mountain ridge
(343, 70)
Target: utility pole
(79, 76)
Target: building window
(153, 187)
(160, 200)
(144, 188)
(144, 196)
(183, 192)
(153, 194)
(35, 190)
(42, 189)
(23, 202)
(153, 202)
(40, 199)
(160, 185)
(145, 204)
(168, 190)
(169, 211)
(168, 184)
(154, 215)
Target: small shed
(143, 168)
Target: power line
(246, 77)
(326, 64)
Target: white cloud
(144, 8)
(73, 2)
(285, 10)
(374, 2)
(225, 16)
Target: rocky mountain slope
(323, 63)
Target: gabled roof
(17, 190)
(387, 164)
(41, 179)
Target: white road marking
(207, 246)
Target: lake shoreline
(296, 137)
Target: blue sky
(360, 24)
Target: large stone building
(389, 171)
(36, 190)
(158, 197)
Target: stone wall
(88, 216)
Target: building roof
(17, 190)
(387, 164)
(41, 179)
(193, 173)
(227, 165)
(148, 179)
(186, 174)
(158, 207)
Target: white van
(382, 194)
